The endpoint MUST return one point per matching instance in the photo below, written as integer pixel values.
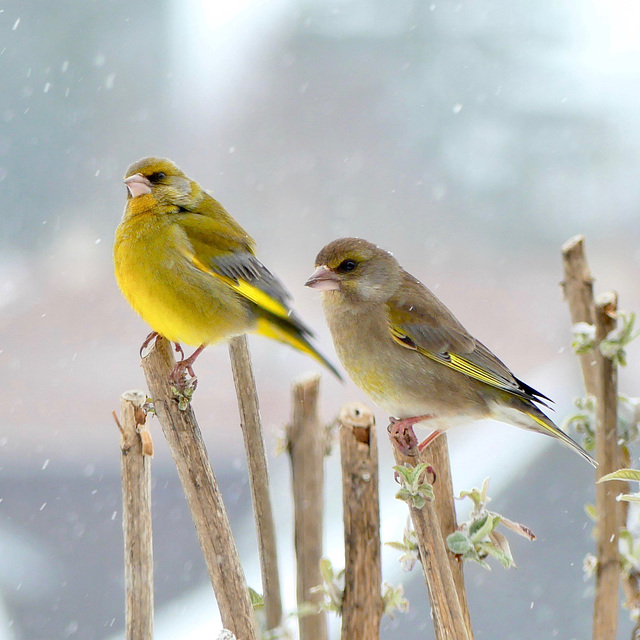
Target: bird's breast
(178, 300)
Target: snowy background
(469, 138)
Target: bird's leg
(151, 338)
(402, 434)
(429, 439)
(185, 364)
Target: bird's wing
(419, 321)
(230, 258)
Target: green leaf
(481, 528)
(404, 473)
(497, 553)
(622, 474)
(629, 497)
(458, 543)
(584, 335)
(501, 545)
(257, 601)
(393, 599)
(476, 525)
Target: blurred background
(469, 138)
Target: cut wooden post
(448, 617)
(258, 477)
(437, 454)
(600, 380)
(362, 605)
(203, 495)
(306, 440)
(608, 511)
(578, 291)
(135, 466)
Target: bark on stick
(362, 605)
(203, 494)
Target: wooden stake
(448, 617)
(608, 511)
(578, 291)
(258, 477)
(437, 454)
(203, 495)
(362, 606)
(136, 517)
(306, 446)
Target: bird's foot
(402, 435)
(148, 344)
(178, 378)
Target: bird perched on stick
(190, 270)
(408, 352)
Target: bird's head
(153, 182)
(356, 268)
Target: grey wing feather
(429, 324)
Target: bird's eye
(348, 265)
(157, 176)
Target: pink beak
(137, 185)
(323, 279)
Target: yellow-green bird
(190, 270)
(408, 352)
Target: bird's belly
(406, 384)
(178, 301)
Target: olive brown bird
(190, 270)
(409, 353)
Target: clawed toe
(148, 344)
(182, 376)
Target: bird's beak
(137, 185)
(323, 279)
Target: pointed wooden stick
(203, 495)
(306, 447)
(258, 477)
(608, 510)
(578, 291)
(437, 454)
(362, 606)
(136, 517)
(448, 618)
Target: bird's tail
(283, 331)
(530, 417)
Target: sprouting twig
(448, 617)
(306, 447)
(203, 495)
(608, 511)
(438, 455)
(362, 606)
(136, 517)
(258, 477)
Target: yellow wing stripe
(548, 428)
(246, 290)
(453, 361)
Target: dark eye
(157, 176)
(348, 265)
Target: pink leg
(402, 434)
(147, 341)
(429, 439)
(185, 364)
